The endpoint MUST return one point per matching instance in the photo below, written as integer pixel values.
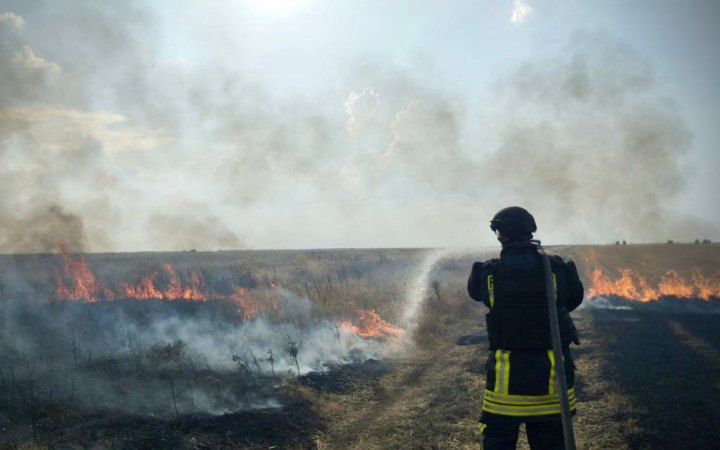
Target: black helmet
(513, 221)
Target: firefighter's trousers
(542, 435)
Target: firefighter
(520, 369)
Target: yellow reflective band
(491, 290)
(518, 408)
(514, 399)
(519, 412)
(502, 370)
(520, 405)
(481, 427)
(506, 377)
(551, 382)
(498, 360)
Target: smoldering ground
(163, 358)
(149, 152)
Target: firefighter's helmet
(513, 221)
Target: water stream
(419, 287)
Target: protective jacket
(520, 369)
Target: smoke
(11, 19)
(122, 355)
(63, 155)
(587, 137)
(585, 140)
(28, 60)
(59, 172)
(42, 231)
(662, 305)
(129, 135)
(57, 163)
(605, 303)
(28, 75)
(180, 231)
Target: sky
(266, 124)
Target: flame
(633, 286)
(194, 289)
(76, 281)
(370, 324)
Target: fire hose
(560, 381)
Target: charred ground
(647, 372)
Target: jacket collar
(518, 246)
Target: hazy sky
(171, 125)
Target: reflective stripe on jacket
(522, 384)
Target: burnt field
(664, 368)
(335, 349)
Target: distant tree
(697, 241)
(707, 241)
(670, 241)
(624, 243)
(617, 242)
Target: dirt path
(627, 392)
(430, 400)
(433, 397)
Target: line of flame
(633, 286)
(76, 281)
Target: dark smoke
(42, 232)
(183, 232)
